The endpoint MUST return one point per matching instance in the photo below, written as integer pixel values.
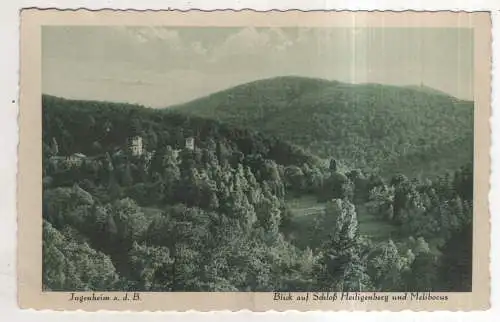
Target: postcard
(228, 160)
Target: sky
(161, 66)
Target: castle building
(76, 159)
(136, 146)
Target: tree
(340, 251)
(149, 267)
(398, 179)
(269, 215)
(422, 275)
(130, 220)
(102, 229)
(387, 267)
(81, 196)
(294, 178)
(71, 266)
(151, 140)
(186, 233)
(464, 182)
(222, 151)
(54, 147)
(360, 183)
(333, 165)
(455, 268)
(313, 177)
(60, 202)
(241, 210)
(114, 189)
(56, 203)
(271, 175)
(356, 277)
(337, 186)
(213, 203)
(380, 202)
(171, 174)
(139, 192)
(127, 179)
(97, 147)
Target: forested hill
(131, 203)
(94, 128)
(389, 127)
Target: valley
(166, 200)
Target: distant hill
(427, 90)
(366, 125)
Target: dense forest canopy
(414, 130)
(222, 215)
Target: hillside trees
(217, 218)
(395, 129)
(387, 267)
(341, 267)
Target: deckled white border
(9, 67)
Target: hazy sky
(160, 66)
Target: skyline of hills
(363, 124)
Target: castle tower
(136, 146)
(190, 143)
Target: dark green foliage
(67, 118)
(337, 185)
(341, 262)
(386, 266)
(392, 128)
(69, 264)
(455, 270)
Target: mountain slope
(366, 125)
(94, 127)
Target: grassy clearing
(305, 230)
(151, 212)
(374, 227)
(306, 205)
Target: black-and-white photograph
(257, 159)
